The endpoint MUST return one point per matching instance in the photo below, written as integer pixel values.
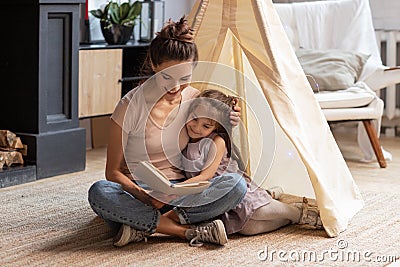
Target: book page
(154, 178)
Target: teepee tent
(247, 36)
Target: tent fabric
(234, 32)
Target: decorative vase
(116, 33)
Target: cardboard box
(86, 124)
(100, 128)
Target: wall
(386, 14)
(174, 9)
(293, 1)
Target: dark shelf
(104, 45)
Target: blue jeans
(116, 206)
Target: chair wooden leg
(373, 138)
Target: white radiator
(389, 44)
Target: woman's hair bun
(179, 31)
(174, 42)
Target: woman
(136, 133)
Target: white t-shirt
(144, 139)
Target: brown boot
(309, 215)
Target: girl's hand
(235, 116)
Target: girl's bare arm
(213, 161)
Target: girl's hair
(175, 41)
(219, 106)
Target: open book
(153, 177)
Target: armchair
(345, 25)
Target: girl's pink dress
(195, 158)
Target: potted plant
(117, 20)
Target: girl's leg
(276, 210)
(271, 217)
(254, 227)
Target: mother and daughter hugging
(187, 135)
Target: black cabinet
(133, 57)
(39, 71)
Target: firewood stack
(11, 149)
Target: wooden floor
(369, 176)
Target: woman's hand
(162, 198)
(144, 196)
(152, 201)
(156, 203)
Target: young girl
(209, 154)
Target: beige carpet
(49, 223)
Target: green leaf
(124, 14)
(114, 13)
(137, 7)
(98, 13)
(135, 10)
(105, 14)
(124, 10)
